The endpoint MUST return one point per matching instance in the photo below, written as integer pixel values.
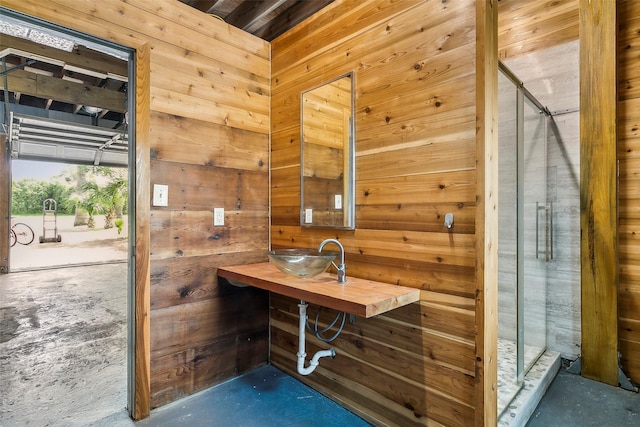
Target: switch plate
(338, 201)
(160, 195)
(308, 216)
(218, 216)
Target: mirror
(327, 155)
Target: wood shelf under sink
(361, 297)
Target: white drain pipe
(302, 355)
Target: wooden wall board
(201, 23)
(417, 217)
(628, 153)
(598, 185)
(191, 233)
(212, 84)
(140, 403)
(205, 187)
(486, 298)
(321, 34)
(180, 280)
(426, 188)
(180, 373)
(525, 26)
(192, 141)
(185, 326)
(419, 273)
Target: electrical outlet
(218, 216)
(308, 216)
(338, 201)
(160, 195)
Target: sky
(42, 171)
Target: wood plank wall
(525, 26)
(415, 161)
(598, 187)
(629, 185)
(209, 142)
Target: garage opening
(65, 215)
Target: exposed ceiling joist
(82, 58)
(289, 18)
(266, 19)
(43, 86)
(248, 13)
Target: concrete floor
(63, 345)
(574, 401)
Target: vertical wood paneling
(598, 187)
(202, 128)
(141, 295)
(628, 116)
(416, 159)
(486, 215)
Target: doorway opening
(78, 116)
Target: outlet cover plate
(218, 216)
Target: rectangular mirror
(327, 173)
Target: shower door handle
(547, 230)
(550, 222)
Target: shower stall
(531, 152)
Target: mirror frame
(348, 205)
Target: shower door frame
(522, 96)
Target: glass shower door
(536, 236)
(508, 383)
(525, 238)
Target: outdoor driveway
(79, 245)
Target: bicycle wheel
(12, 238)
(24, 233)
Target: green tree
(108, 197)
(27, 196)
(77, 177)
(93, 202)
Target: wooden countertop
(361, 297)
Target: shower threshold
(516, 404)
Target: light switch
(160, 195)
(308, 216)
(338, 201)
(218, 216)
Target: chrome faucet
(341, 268)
